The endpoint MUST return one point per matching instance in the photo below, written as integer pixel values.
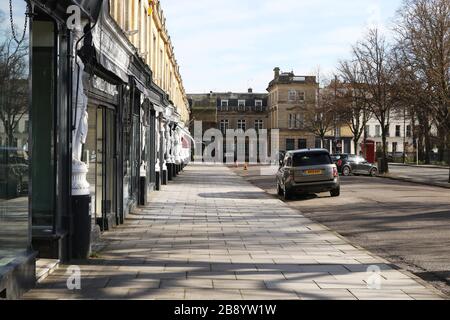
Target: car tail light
(339, 163)
(335, 172)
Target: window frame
(259, 124)
(294, 93)
(242, 124)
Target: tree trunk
(385, 168)
(448, 156)
(427, 146)
(420, 146)
(355, 143)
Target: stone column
(178, 149)
(157, 151)
(168, 157)
(162, 152)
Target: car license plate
(313, 172)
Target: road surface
(407, 224)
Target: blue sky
(230, 45)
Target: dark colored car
(13, 173)
(352, 164)
(307, 171)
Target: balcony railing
(242, 109)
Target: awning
(187, 134)
(111, 55)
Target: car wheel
(279, 190)
(287, 194)
(346, 171)
(335, 192)
(373, 172)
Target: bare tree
(320, 119)
(423, 31)
(373, 57)
(13, 84)
(353, 107)
(414, 99)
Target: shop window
(14, 152)
(42, 115)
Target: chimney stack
(277, 72)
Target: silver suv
(307, 171)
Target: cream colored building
(290, 98)
(144, 23)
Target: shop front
(100, 151)
(35, 137)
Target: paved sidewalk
(426, 175)
(212, 235)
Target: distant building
(290, 98)
(230, 111)
(399, 138)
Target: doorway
(101, 150)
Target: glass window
(292, 95)
(318, 143)
(394, 147)
(290, 144)
(311, 159)
(242, 125)
(259, 124)
(224, 126)
(14, 147)
(398, 130)
(377, 131)
(42, 115)
(302, 143)
(301, 96)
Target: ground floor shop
(88, 136)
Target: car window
(360, 159)
(311, 159)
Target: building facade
(86, 133)
(231, 111)
(143, 22)
(399, 138)
(290, 98)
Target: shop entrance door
(105, 168)
(135, 157)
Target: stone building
(94, 128)
(290, 98)
(230, 111)
(144, 23)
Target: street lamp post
(404, 134)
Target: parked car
(13, 173)
(348, 164)
(307, 171)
